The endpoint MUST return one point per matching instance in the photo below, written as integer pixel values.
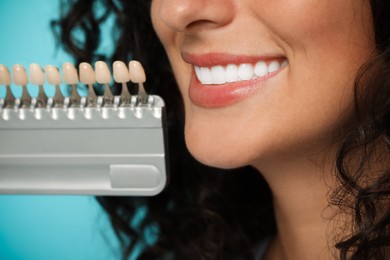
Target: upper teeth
(232, 73)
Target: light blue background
(45, 227)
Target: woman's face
(263, 80)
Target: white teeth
(245, 71)
(261, 69)
(273, 66)
(218, 75)
(204, 75)
(233, 73)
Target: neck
(300, 189)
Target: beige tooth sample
(87, 77)
(70, 73)
(121, 75)
(121, 72)
(71, 78)
(137, 72)
(102, 73)
(103, 76)
(21, 79)
(53, 77)
(5, 76)
(137, 75)
(5, 79)
(38, 78)
(20, 75)
(36, 74)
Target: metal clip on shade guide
(137, 75)
(20, 79)
(71, 78)
(5, 79)
(121, 75)
(38, 78)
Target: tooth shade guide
(21, 79)
(71, 78)
(5, 79)
(37, 77)
(87, 77)
(122, 76)
(137, 75)
(103, 76)
(52, 79)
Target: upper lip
(218, 58)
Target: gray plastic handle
(94, 151)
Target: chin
(215, 160)
(217, 152)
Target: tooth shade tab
(237, 72)
(87, 75)
(70, 74)
(121, 72)
(52, 75)
(137, 72)
(36, 74)
(102, 73)
(5, 76)
(20, 75)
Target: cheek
(312, 24)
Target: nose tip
(181, 15)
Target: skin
(287, 128)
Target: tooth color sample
(69, 73)
(121, 72)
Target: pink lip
(215, 96)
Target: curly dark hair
(208, 213)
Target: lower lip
(215, 96)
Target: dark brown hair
(207, 213)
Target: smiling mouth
(231, 73)
(222, 79)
